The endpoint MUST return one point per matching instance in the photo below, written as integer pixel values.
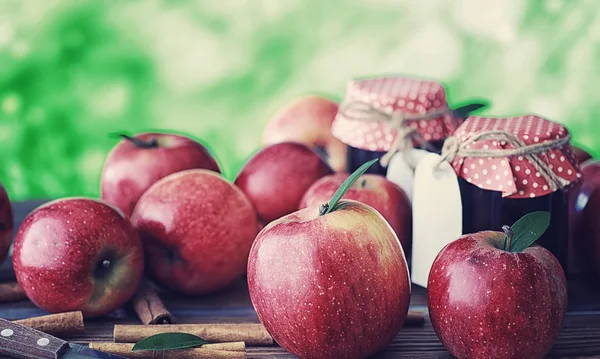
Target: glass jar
(356, 157)
(508, 167)
(368, 119)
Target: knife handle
(20, 341)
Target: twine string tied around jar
(362, 111)
(453, 148)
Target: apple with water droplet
(78, 254)
(330, 281)
(6, 223)
(136, 162)
(493, 295)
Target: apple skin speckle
(332, 286)
(197, 229)
(308, 120)
(59, 247)
(6, 223)
(130, 170)
(485, 302)
(277, 176)
(374, 190)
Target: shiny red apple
(78, 254)
(308, 120)
(486, 302)
(376, 191)
(197, 229)
(277, 176)
(584, 221)
(330, 286)
(137, 162)
(6, 223)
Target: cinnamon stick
(228, 347)
(68, 323)
(11, 292)
(251, 334)
(232, 346)
(124, 349)
(149, 307)
(415, 317)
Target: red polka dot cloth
(410, 96)
(515, 176)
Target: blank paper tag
(437, 213)
(401, 169)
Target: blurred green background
(74, 71)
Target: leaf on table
(169, 341)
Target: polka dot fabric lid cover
(515, 176)
(408, 95)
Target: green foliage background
(73, 72)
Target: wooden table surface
(580, 336)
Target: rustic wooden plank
(580, 336)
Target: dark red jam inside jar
(487, 210)
(356, 157)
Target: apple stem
(106, 263)
(363, 184)
(139, 143)
(323, 209)
(508, 238)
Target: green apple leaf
(169, 341)
(466, 110)
(341, 191)
(527, 230)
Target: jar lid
(390, 96)
(523, 156)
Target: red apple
(330, 286)
(581, 155)
(197, 230)
(137, 162)
(6, 223)
(485, 302)
(308, 120)
(376, 191)
(276, 178)
(78, 254)
(584, 223)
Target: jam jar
(516, 165)
(367, 118)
